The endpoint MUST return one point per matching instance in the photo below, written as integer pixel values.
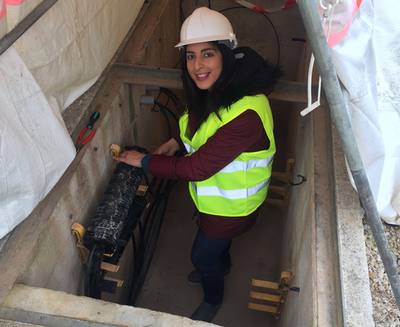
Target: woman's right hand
(168, 148)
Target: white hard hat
(205, 25)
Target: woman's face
(204, 64)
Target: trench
(300, 237)
(255, 254)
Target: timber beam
(171, 78)
(147, 75)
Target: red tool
(87, 133)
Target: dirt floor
(255, 254)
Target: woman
(227, 131)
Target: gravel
(386, 312)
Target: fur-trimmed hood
(250, 74)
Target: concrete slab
(61, 309)
(355, 288)
(9, 323)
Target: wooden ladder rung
(118, 281)
(141, 190)
(263, 307)
(108, 267)
(264, 284)
(276, 202)
(283, 177)
(278, 190)
(265, 297)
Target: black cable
(89, 265)
(168, 110)
(174, 98)
(278, 43)
(147, 216)
(181, 14)
(133, 265)
(94, 275)
(164, 113)
(154, 221)
(149, 226)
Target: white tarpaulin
(364, 37)
(68, 48)
(13, 11)
(50, 65)
(35, 147)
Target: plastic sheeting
(366, 53)
(13, 11)
(35, 147)
(50, 65)
(69, 47)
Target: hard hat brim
(208, 39)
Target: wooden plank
(265, 297)
(276, 202)
(109, 267)
(147, 75)
(170, 78)
(283, 177)
(278, 190)
(263, 307)
(264, 284)
(290, 91)
(119, 282)
(136, 50)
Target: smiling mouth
(202, 76)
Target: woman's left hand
(133, 158)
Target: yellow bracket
(271, 301)
(78, 231)
(115, 150)
(281, 191)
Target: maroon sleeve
(244, 133)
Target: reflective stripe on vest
(188, 148)
(235, 166)
(229, 194)
(238, 165)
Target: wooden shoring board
(136, 50)
(170, 78)
(147, 75)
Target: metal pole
(338, 108)
(7, 40)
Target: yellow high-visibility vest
(240, 187)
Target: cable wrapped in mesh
(108, 221)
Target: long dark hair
(244, 72)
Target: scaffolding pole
(339, 112)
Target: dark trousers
(211, 258)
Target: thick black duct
(110, 218)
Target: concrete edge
(24, 303)
(353, 264)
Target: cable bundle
(108, 221)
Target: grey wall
(298, 255)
